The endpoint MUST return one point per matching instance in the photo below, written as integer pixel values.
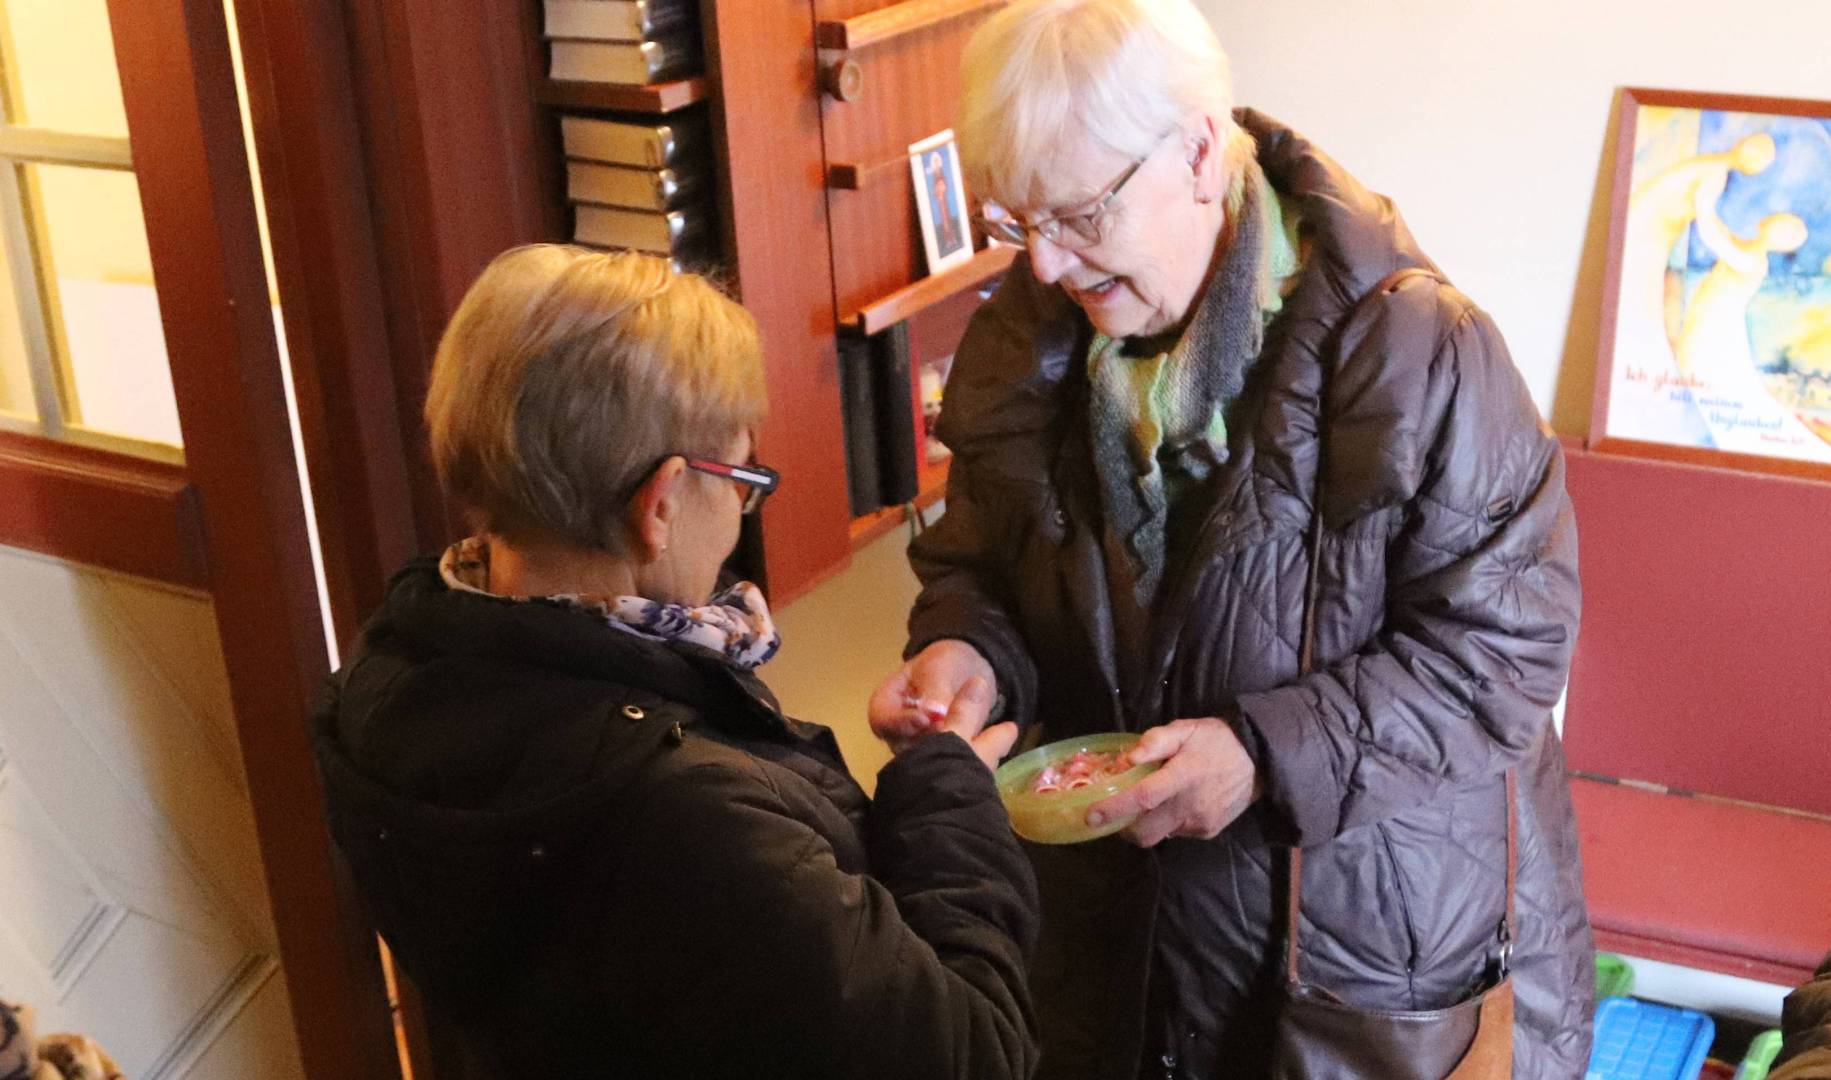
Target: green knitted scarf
(1157, 423)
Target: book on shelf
(684, 234)
(858, 419)
(682, 142)
(629, 63)
(877, 410)
(631, 187)
(616, 20)
(894, 395)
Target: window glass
(104, 312)
(60, 67)
(15, 366)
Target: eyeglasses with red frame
(757, 480)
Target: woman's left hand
(1207, 781)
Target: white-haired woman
(1236, 468)
(575, 813)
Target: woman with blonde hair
(1236, 468)
(577, 817)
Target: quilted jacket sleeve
(1481, 594)
(954, 560)
(915, 971)
(1001, 401)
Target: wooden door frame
(388, 186)
(184, 120)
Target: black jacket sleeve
(916, 971)
(954, 561)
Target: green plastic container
(1061, 817)
(1760, 1056)
(1614, 978)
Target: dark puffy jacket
(1447, 615)
(598, 855)
(1806, 1020)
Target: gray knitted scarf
(1153, 411)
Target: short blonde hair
(1043, 74)
(566, 375)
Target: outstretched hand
(1206, 782)
(946, 687)
(917, 699)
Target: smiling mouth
(1099, 291)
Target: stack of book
(634, 42)
(645, 185)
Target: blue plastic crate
(1637, 1040)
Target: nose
(1047, 261)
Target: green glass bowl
(1060, 817)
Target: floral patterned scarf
(735, 624)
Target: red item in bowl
(1077, 772)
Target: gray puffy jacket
(1447, 614)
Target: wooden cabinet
(817, 130)
(908, 87)
(819, 227)
(406, 145)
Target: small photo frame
(940, 195)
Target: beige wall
(1488, 123)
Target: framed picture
(940, 195)
(1716, 319)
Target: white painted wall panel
(135, 910)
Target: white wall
(1489, 123)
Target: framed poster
(1716, 318)
(940, 195)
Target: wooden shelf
(871, 526)
(884, 24)
(655, 98)
(914, 298)
(846, 176)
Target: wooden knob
(844, 79)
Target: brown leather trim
(1292, 915)
(1512, 849)
(1491, 1054)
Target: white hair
(1041, 75)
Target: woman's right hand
(920, 697)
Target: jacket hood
(1356, 237)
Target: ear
(654, 510)
(1203, 151)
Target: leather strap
(1306, 663)
(1507, 926)
(1292, 915)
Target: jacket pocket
(1408, 918)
